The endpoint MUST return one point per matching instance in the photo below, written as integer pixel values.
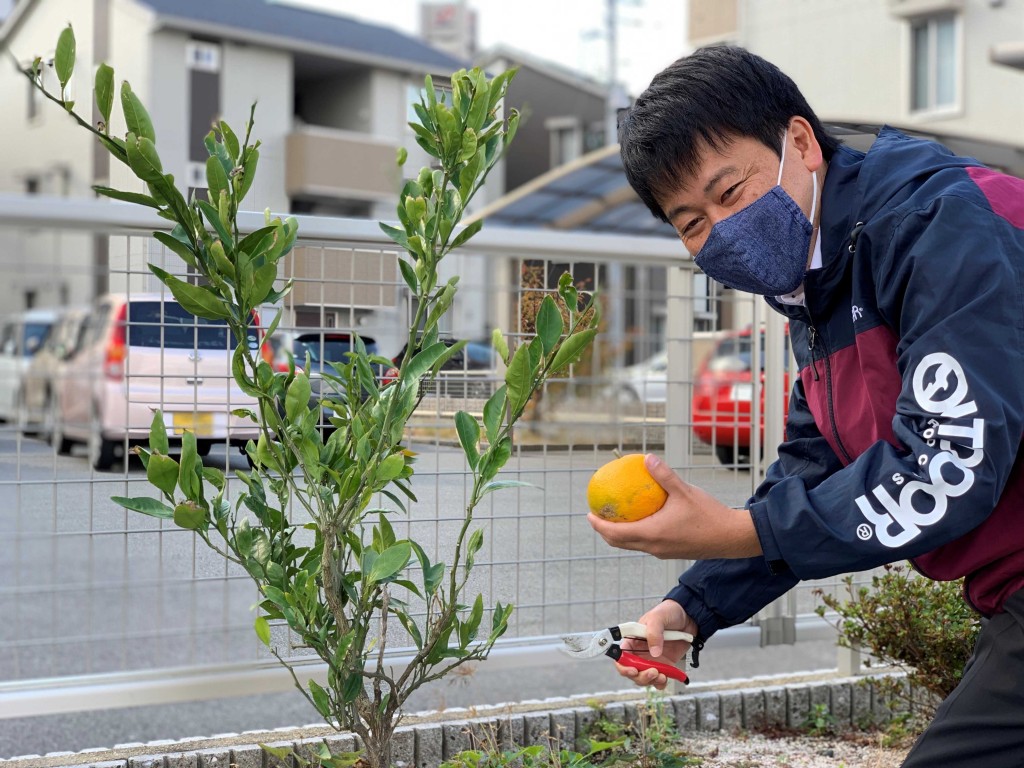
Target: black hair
(710, 97)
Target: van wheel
(61, 443)
(101, 451)
(726, 454)
(203, 447)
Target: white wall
(851, 59)
(253, 74)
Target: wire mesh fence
(91, 590)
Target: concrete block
(774, 706)
(510, 732)
(456, 736)
(615, 712)
(631, 713)
(753, 709)
(341, 743)
(218, 757)
(272, 761)
(900, 703)
(403, 747)
(177, 760)
(686, 713)
(798, 705)
(309, 749)
(429, 746)
(146, 761)
(860, 711)
(123, 763)
(585, 719)
(731, 711)
(563, 727)
(536, 729)
(821, 696)
(709, 711)
(841, 703)
(881, 706)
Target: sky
(652, 33)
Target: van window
(34, 335)
(166, 324)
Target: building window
(933, 63)
(566, 139)
(202, 55)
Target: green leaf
(549, 324)
(128, 197)
(519, 378)
(216, 179)
(230, 141)
(104, 87)
(297, 400)
(158, 442)
(390, 562)
(494, 413)
(64, 58)
(424, 360)
(245, 179)
(173, 244)
(402, 156)
(469, 628)
(195, 299)
(463, 237)
(497, 485)
(572, 349)
(213, 216)
(351, 688)
(188, 480)
(390, 468)
(262, 627)
(143, 159)
(163, 473)
(469, 435)
(476, 540)
(135, 115)
(146, 506)
(320, 699)
(189, 515)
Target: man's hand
(666, 615)
(692, 525)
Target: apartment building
(333, 99)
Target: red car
(722, 396)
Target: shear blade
(582, 645)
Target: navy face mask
(764, 247)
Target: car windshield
(166, 324)
(331, 349)
(35, 335)
(733, 354)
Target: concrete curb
(747, 705)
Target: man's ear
(806, 143)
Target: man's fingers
(644, 677)
(655, 634)
(663, 473)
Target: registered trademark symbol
(864, 532)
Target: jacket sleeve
(947, 280)
(722, 593)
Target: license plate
(742, 393)
(200, 424)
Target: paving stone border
(751, 705)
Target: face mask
(762, 248)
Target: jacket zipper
(811, 344)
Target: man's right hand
(666, 615)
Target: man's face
(734, 176)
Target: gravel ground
(718, 750)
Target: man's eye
(689, 227)
(729, 192)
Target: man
(901, 274)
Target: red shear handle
(628, 659)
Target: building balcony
(328, 163)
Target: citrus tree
(312, 522)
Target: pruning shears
(607, 641)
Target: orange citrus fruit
(623, 490)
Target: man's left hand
(691, 525)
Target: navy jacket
(906, 420)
